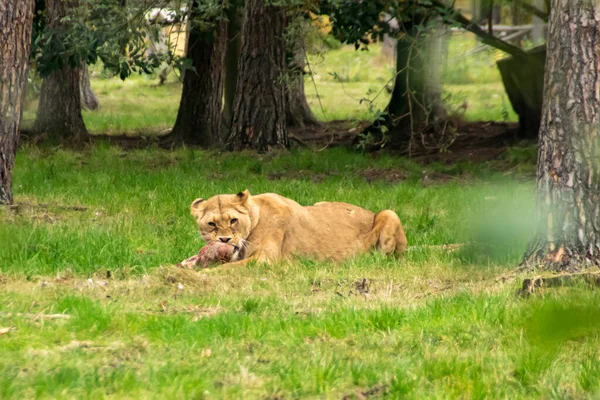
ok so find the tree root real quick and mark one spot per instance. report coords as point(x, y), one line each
point(530, 285)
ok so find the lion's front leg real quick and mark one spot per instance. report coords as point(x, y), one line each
point(268, 251)
point(259, 259)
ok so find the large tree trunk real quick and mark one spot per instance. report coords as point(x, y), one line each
point(16, 18)
point(89, 100)
point(59, 110)
point(199, 117)
point(298, 112)
point(232, 56)
point(259, 113)
point(569, 153)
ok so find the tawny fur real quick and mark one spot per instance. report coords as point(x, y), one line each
point(270, 228)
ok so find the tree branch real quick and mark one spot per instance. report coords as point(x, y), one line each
point(470, 26)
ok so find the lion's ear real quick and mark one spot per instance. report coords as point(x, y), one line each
point(197, 205)
point(243, 196)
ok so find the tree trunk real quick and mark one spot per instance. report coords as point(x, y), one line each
point(568, 167)
point(232, 55)
point(259, 112)
point(415, 104)
point(481, 9)
point(16, 18)
point(199, 117)
point(435, 47)
point(89, 100)
point(405, 110)
point(523, 79)
point(59, 110)
point(298, 112)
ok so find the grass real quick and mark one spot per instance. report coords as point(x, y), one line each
point(96, 232)
point(343, 79)
point(91, 305)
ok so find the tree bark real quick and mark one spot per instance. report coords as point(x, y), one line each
point(16, 18)
point(199, 117)
point(232, 55)
point(59, 110)
point(298, 112)
point(89, 100)
point(568, 168)
point(259, 113)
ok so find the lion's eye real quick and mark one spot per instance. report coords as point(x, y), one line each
point(233, 221)
point(211, 224)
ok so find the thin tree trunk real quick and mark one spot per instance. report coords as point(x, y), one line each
point(569, 152)
point(199, 117)
point(435, 48)
point(89, 100)
point(405, 111)
point(298, 112)
point(232, 56)
point(259, 113)
point(16, 18)
point(59, 110)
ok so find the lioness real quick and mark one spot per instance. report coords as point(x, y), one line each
point(269, 228)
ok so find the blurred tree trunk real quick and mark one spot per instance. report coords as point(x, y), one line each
point(409, 83)
point(298, 112)
point(435, 48)
point(416, 103)
point(568, 165)
point(481, 10)
point(232, 55)
point(89, 100)
point(16, 19)
point(199, 117)
point(259, 113)
point(59, 110)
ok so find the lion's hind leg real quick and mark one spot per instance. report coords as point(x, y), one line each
point(387, 234)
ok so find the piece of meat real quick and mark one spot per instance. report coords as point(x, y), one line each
point(212, 253)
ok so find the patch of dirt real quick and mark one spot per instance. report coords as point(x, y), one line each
point(475, 141)
point(387, 175)
point(330, 134)
point(316, 177)
point(376, 391)
point(42, 212)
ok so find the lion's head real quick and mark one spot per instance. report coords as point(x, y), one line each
point(225, 218)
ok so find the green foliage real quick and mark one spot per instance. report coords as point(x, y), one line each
point(115, 34)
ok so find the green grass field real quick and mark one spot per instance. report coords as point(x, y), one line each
point(341, 79)
point(91, 305)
